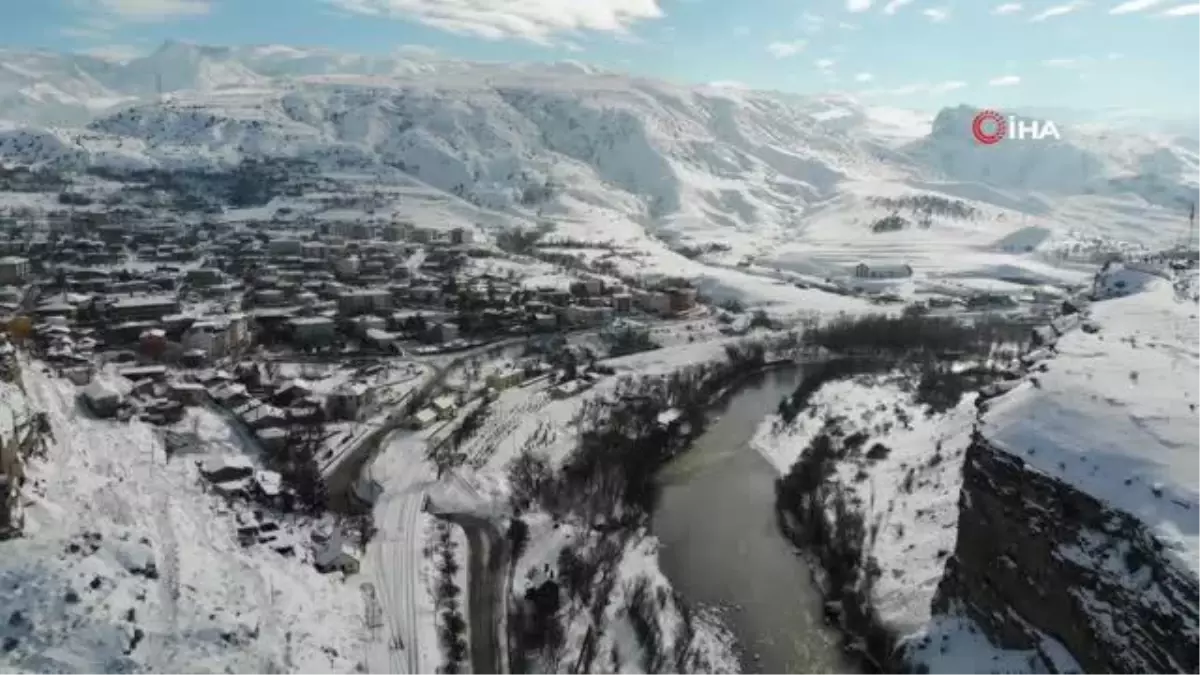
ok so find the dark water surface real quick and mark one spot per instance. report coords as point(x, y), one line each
point(722, 547)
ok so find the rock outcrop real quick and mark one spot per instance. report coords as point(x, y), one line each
point(1037, 556)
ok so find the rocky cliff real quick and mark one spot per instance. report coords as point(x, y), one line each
point(1034, 554)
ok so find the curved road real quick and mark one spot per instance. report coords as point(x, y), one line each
point(394, 557)
point(487, 562)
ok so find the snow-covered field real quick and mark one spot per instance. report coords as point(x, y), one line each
point(792, 185)
point(1114, 413)
point(106, 504)
point(794, 182)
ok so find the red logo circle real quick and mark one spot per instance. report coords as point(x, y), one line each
point(989, 127)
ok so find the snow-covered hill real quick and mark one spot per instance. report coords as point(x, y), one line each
point(603, 155)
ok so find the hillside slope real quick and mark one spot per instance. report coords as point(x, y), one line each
point(572, 143)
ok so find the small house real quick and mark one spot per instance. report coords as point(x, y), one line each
point(263, 416)
point(272, 439)
point(882, 271)
point(506, 378)
point(268, 484)
point(103, 399)
point(423, 418)
point(568, 389)
point(136, 373)
point(444, 331)
point(229, 394)
point(313, 331)
point(445, 406)
point(227, 468)
point(348, 401)
point(336, 555)
point(143, 307)
point(188, 393)
point(14, 269)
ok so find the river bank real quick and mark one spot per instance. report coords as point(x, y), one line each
point(720, 544)
point(588, 594)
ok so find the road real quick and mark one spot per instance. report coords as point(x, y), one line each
point(392, 566)
point(487, 563)
point(394, 556)
point(340, 476)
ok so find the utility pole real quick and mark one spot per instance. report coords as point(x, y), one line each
point(1192, 232)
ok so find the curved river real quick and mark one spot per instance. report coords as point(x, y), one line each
point(721, 545)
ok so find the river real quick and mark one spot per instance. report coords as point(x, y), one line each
point(721, 545)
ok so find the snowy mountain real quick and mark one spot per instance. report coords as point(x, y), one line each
point(753, 170)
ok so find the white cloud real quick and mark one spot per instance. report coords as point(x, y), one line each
point(894, 6)
point(782, 50)
point(936, 15)
point(146, 11)
point(728, 84)
point(1183, 10)
point(1134, 6)
point(1007, 8)
point(416, 52)
point(1059, 10)
point(1061, 63)
point(1004, 81)
point(99, 18)
point(858, 5)
point(811, 23)
point(532, 20)
point(863, 77)
point(91, 30)
point(825, 64)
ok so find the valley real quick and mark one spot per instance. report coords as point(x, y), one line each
point(492, 347)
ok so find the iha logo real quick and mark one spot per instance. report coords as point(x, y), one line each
point(990, 127)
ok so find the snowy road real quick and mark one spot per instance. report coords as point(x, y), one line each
point(487, 560)
point(394, 559)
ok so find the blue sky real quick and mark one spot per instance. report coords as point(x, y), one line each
point(1084, 54)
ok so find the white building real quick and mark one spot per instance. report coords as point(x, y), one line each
point(349, 266)
point(336, 555)
point(313, 331)
point(882, 271)
point(284, 247)
point(13, 269)
point(423, 418)
point(365, 301)
point(218, 337)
